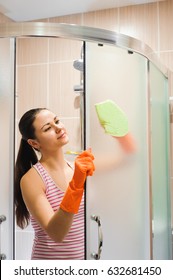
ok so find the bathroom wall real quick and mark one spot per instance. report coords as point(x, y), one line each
point(45, 76)
point(4, 19)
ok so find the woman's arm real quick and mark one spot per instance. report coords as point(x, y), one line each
point(57, 224)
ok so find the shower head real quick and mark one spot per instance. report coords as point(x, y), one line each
point(78, 64)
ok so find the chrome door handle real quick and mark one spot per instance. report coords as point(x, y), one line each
point(2, 257)
point(97, 255)
point(2, 219)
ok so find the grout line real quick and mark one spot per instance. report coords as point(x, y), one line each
point(44, 63)
point(33, 64)
point(165, 51)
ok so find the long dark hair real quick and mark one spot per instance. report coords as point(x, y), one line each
point(25, 159)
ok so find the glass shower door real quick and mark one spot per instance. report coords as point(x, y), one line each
point(6, 147)
point(117, 198)
point(160, 176)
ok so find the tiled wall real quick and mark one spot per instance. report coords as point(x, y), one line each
point(45, 78)
point(44, 66)
point(4, 19)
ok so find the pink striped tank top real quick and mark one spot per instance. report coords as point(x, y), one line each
point(72, 247)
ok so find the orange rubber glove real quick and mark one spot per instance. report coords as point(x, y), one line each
point(127, 142)
point(84, 167)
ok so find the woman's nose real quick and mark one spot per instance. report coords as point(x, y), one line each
point(58, 127)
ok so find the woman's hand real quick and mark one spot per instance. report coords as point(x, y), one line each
point(127, 143)
point(84, 167)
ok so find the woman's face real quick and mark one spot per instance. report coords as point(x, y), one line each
point(49, 131)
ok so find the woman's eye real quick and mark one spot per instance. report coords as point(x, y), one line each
point(57, 121)
point(47, 129)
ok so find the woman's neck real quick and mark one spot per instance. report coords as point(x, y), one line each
point(55, 160)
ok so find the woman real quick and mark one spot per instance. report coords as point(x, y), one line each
point(49, 192)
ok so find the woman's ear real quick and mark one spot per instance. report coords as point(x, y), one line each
point(33, 143)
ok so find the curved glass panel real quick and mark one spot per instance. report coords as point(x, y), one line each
point(160, 177)
point(119, 194)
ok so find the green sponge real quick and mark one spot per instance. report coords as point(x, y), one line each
point(112, 118)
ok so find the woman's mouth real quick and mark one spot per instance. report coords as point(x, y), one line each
point(62, 135)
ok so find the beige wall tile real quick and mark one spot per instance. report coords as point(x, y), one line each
point(31, 88)
point(166, 24)
point(73, 19)
point(106, 19)
point(41, 20)
point(55, 88)
point(4, 19)
point(141, 22)
point(62, 78)
point(167, 59)
point(71, 77)
point(68, 95)
point(64, 49)
point(32, 51)
point(89, 19)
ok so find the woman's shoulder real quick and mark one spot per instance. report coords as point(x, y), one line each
point(31, 187)
point(31, 177)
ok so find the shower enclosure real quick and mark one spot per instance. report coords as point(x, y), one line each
point(128, 205)
point(131, 200)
